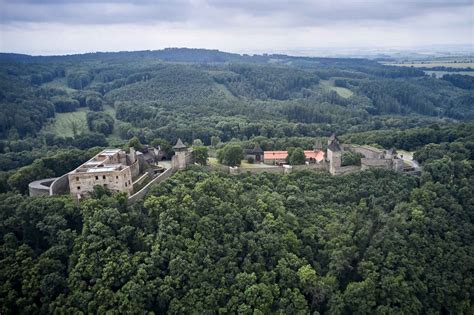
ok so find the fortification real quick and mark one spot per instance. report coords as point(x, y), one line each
point(371, 157)
point(334, 155)
point(183, 156)
point(111, 169)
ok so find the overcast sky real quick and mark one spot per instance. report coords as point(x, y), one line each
point(72, 26)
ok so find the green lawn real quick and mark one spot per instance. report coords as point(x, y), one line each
point(329, 85)
point(244, 164)
point(64, 123)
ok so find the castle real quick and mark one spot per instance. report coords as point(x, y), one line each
point(372, 157)
point(133, 173)
point(112, 169)
point(117, 171)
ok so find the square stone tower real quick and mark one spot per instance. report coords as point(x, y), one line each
point(179, 160)
point(334, 155)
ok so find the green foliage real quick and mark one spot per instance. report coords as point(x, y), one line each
point(23, 176)
point(207, 242)
point(296, 156)
point(64, 104)
point(100, 122)
point(164, 145)
point(351, 158)
point(135, 143)
point(200, 154)
point(78, 80)
point(231, 154)
point(375, 242)
point(94, 103)
point(462, 81)
point(413, 138)
point(235, 97)
point(90, 140)
point(215, 141)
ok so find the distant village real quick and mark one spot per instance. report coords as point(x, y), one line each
point(134, 172)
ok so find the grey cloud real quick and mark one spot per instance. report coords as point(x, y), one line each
point(219, 12)
point(94, 12)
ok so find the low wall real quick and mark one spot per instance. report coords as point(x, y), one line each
point(377, 163)
point(40, 187)
point(260, 170)
point(59, 186)
point(218, 167)
point(311, 167)
point(273, 170)
point(368, 152)
point(142, 192)
point(346, 169)
point(140, 180)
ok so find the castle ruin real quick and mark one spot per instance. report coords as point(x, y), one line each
point(372, 157)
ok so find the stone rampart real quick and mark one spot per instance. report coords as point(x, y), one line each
point(40, 187)
point(142, 192)
point(368, 152)
point(375, 163)
point(59, 186)
point(346, 169)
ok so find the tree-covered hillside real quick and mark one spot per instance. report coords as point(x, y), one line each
point(178, 91)
point(371, 242)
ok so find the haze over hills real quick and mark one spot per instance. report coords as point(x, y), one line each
point(417, 53)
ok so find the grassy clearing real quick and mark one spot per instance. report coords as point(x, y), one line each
point(58, 83)
point(329, 85)
point(64, 124)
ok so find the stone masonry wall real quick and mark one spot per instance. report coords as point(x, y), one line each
point(142, 192)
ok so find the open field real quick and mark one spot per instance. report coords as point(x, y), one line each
point(432, 64)
point(329, 85)
point(64, 124)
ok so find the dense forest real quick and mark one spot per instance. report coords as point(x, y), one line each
point(205, 242)
point(370, 242)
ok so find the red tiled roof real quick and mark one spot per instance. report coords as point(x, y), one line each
point(318, 155)
point(275, 155)
point(281, 155)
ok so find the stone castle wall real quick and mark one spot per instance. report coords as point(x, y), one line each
point(375, 163)
point(59, 186)
point(142, 192)
point(135, 168)
point(368, 152)
point(346, 169)
point(40, 187)
point(82, 183)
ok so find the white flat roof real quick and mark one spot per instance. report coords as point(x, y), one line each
point(99, 163)
point(101, 169)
